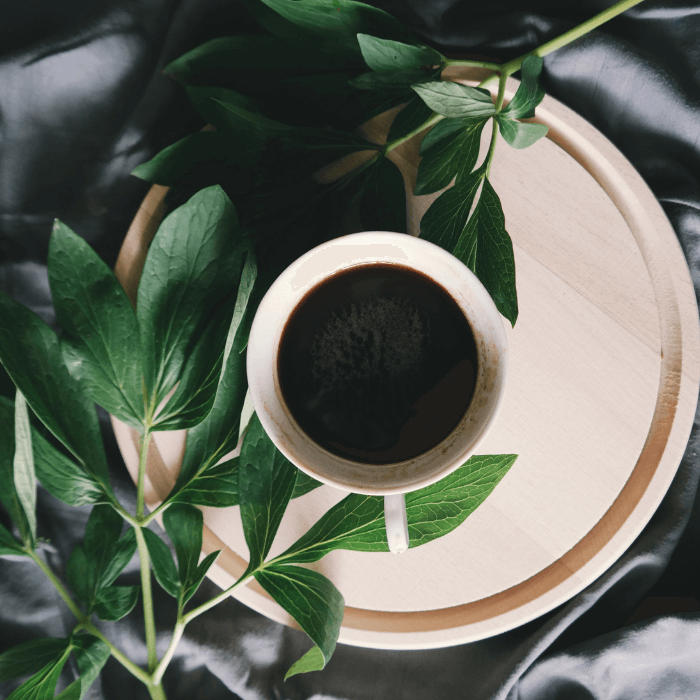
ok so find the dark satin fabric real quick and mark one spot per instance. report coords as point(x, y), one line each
point(82, 102)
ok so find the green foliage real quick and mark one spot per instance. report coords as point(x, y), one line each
point(266, 481)
point(30, 657)
point(386, 55)
point(456, 101)
point(383, 205)
point(183, 523)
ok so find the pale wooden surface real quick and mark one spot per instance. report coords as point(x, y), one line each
point(602, 390)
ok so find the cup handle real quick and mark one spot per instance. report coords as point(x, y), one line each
point(396, 523)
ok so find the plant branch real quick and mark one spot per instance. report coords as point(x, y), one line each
point(459, 63)
point(195, 612)
point(81, 617)
point(174, 641)
point(142, 474)
point(566, 38)
point(147, 596)
point(494, 133)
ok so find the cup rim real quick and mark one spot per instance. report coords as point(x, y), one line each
point(289, 289)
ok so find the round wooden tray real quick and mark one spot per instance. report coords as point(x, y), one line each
point(603, 386)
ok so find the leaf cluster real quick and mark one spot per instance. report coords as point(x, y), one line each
point(288, 103)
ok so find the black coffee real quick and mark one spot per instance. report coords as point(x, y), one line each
point(377, 363)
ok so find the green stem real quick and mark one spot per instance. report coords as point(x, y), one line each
point(85, 623)
point(142, 475)
point(148, 617)
point(566, 38)
point(151, 516)
point(80, 616)
point(391, 145)
point(494, 133)
point(157, 692)
point(195, 612)
point(174, 641)
point(118, 655)
point(459, 63)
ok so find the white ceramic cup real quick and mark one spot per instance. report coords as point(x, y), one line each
point(388, 480)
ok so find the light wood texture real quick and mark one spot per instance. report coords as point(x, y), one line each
point(602, 390)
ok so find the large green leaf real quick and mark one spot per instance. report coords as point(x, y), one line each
point(357, 522)
point(163, 565)
point(383, 206)
point(191, 265)
point(23, 463)
point(101, 337)
point(96, 562)
point(31, 354)
point(335, 25)
point(58, 474)
point(42, 685)
point(445, 220)
point(520, 135)
point(314, 602)
point(529, 93)
point(215, 485)
point(387, 55)
point(91, 654)
point(116, 602)
point(184, 523)
point(447, 156)
point(30, 657)
point(236, 149)
point(414, 113)
point(391, 79)
point(266, 481)
point(217, 434)
point(260, 56)
point(485, 247)
point(456, 101)
point(8, 490)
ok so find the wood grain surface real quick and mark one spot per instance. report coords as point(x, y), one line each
point(602, 390)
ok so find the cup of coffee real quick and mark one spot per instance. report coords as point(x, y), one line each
point(377, 364)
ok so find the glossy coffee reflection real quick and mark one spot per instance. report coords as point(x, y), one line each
point(377, 363)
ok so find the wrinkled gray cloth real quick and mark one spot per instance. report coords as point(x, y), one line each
point(83, 101)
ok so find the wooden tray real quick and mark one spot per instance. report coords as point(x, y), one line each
point(603, 386)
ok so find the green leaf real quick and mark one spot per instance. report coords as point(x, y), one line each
point(215, 485)
point(101, 337)
point(357, 522)
point(304, 484)
point(236, 149)
point(387, 55)
point(121, 554)
point(335, 25)
point(253, 117)
point(520, 135)
point(31, 354)
point(102, 556)
point(260, 55)
point(314, 602)
point(116, 602)
point(529, 93)
point(62, 477)
point(184, 523)
point(454, 100)
point(414, 113)
point(217, 434)
point(72, 692)
point(391, 79)
point(30, 657)
point(453, 154)
point(42, 685)
point(199, 575)
point(486, 249)
point(91, 654)
point(9, 545)
point(163, 565)
point(446, 219)
point(383, 206)
point(24, 476)
point(193, 259)
point(436, 510)
point(8, 491)
point(265, 484)
point(311, 661)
